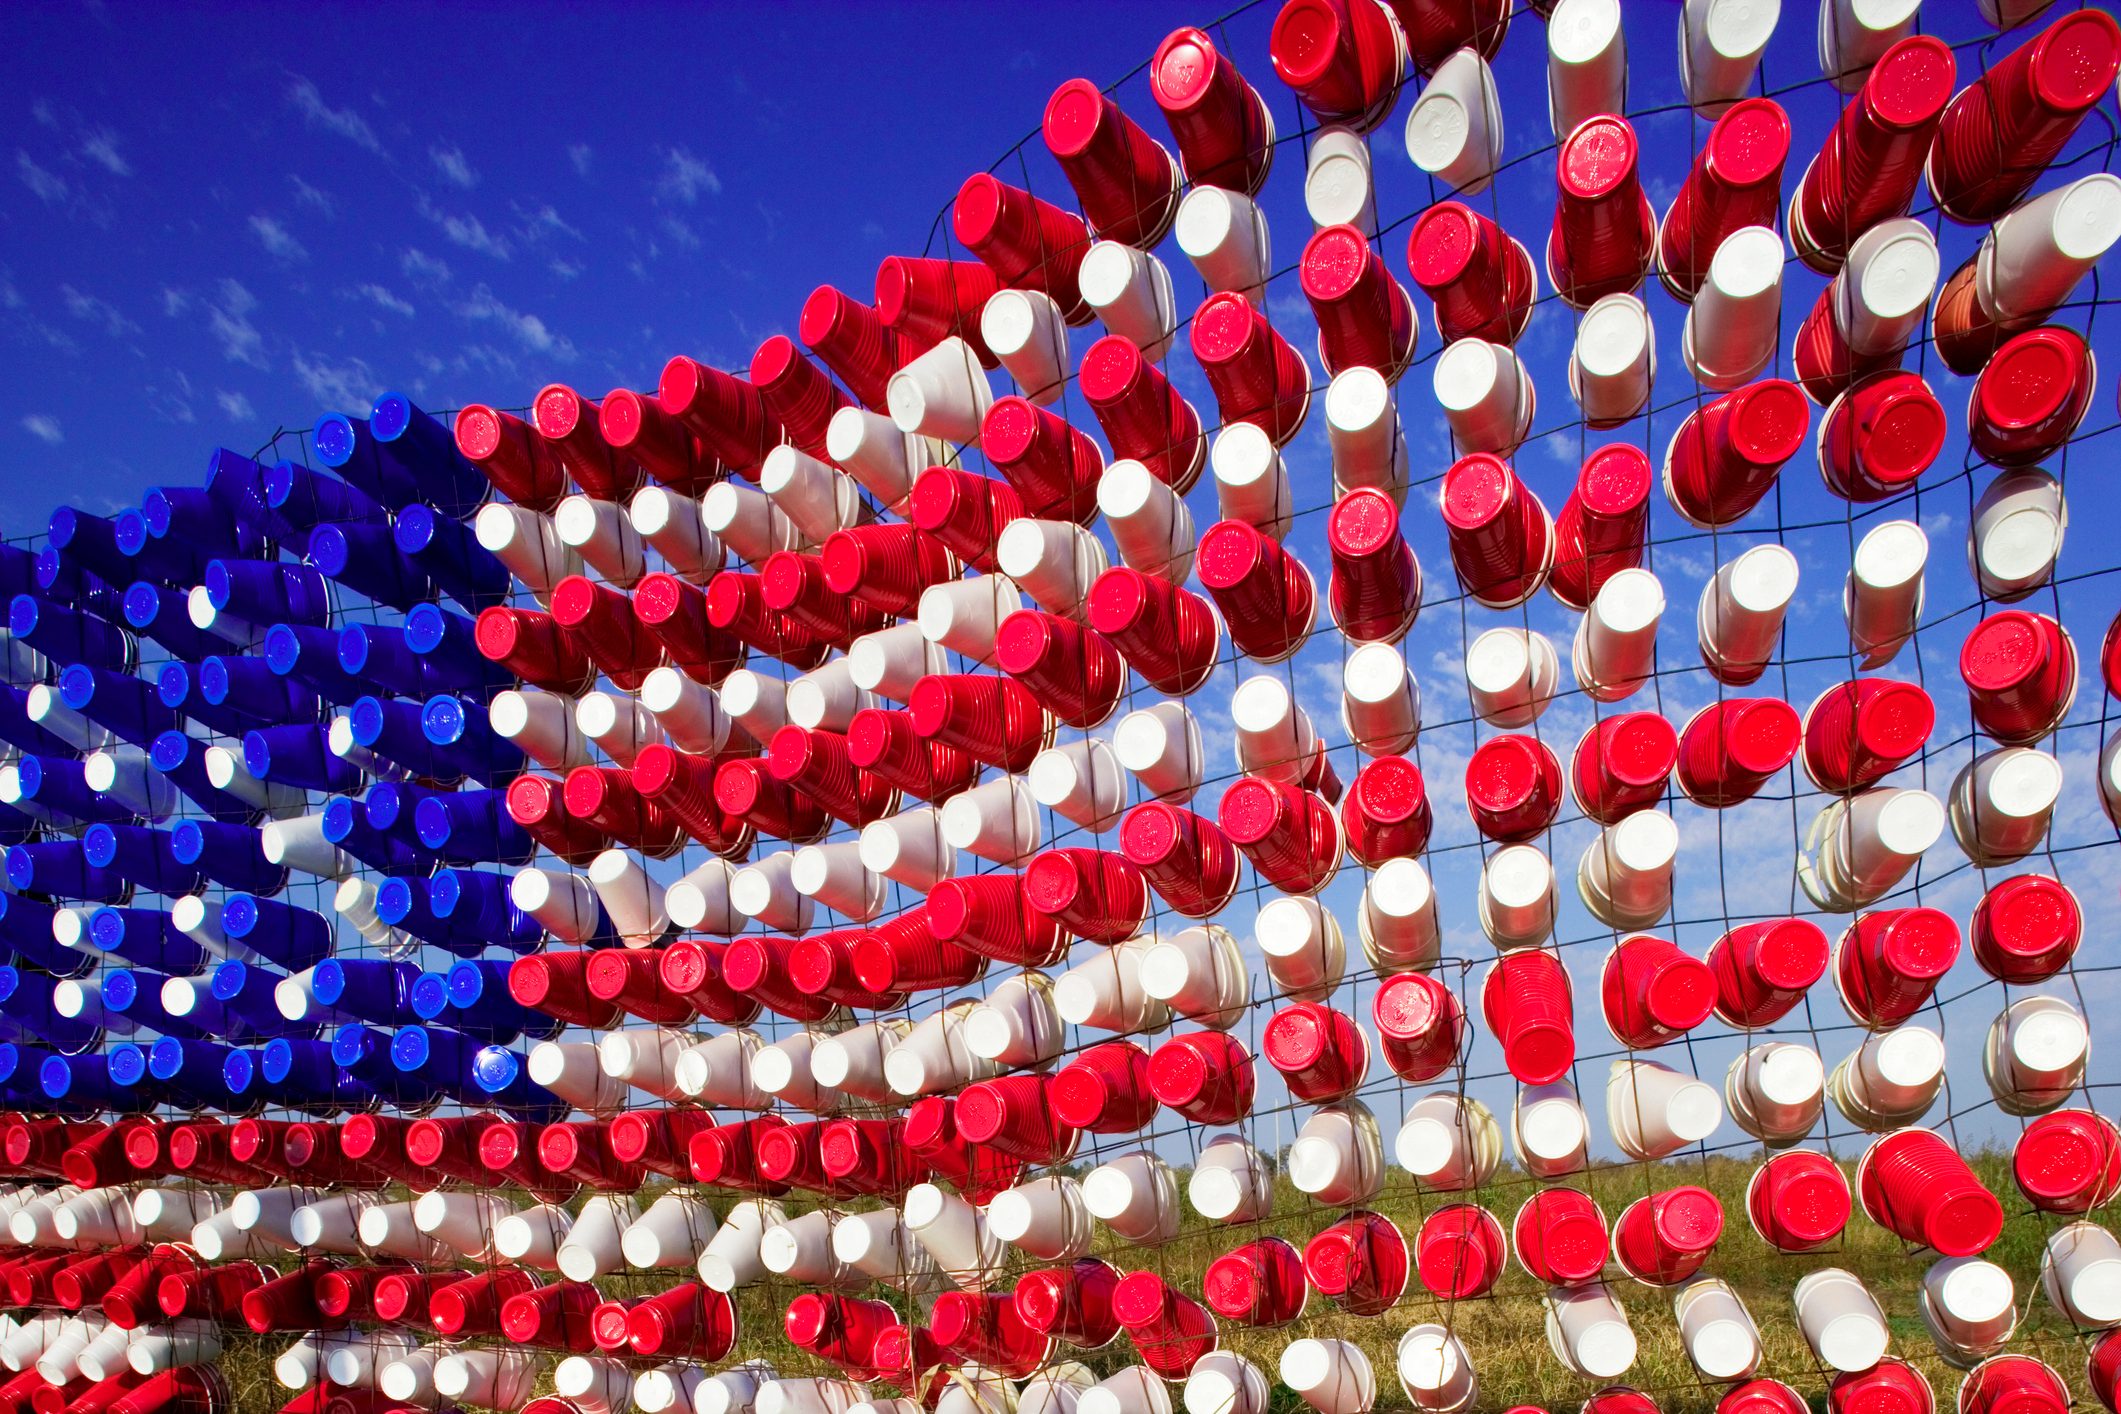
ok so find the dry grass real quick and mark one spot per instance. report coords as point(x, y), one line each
point(1505, 1332)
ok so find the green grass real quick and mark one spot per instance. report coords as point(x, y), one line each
point(1504, 1332)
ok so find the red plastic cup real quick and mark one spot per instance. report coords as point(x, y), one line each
point(1437, 29)
point(107, 1157)
point(2020, 672)
point(761, 968)
point(2031, 397)
point(632, 980)
point(1256, 374)
point(816, 763)
point(1560, 1237)
point(905, 955)
point(1206, 1076)
point(1857, 733)
point(1259, 1284)
point(1074, 671)
point(1621, 765)
point(1359, 1263)
point(604, 798)
point(86, 1279)
point(991, 718)
point(1915, 1186)
point(1481, 280)
point(1321, 1053)
point(1375, 590)
point(1665, 1238)
point(882, 741)
point(841, 1329)
point(693, 968)
point(990, 915)
point(1513, 787)
point(725, 412)
point(580, 1152)
point(1880, 436)
point(853, 341)
point(1763, 969)
point(796, 392)
point(931, 1132)
point(1093, 893)
point(532, 645)
point(1105, 1090)
point(600, 620)
point(574, 434)
point(926, 301)
point(2103, 1369)
point(1265, 594)
point(1365, 317)
point(1166, 632)
point(2026, 929)
point(1890, 962)
point(1053, 466)
point(1385, 814)
point(1345, 59)
point(473, 1306)
point(1726, 456)
point(1889, 1387)
point(1224, 130)
point(683, 788)
point(2002, 130)
point(1731, 749)
point(1188, 860)
point(794, 585)
point(2068, 1161)
point(1014, 1113)
point(286, 1303)
point(1603, 526)
point(1604, 230)
point(657, 1139)
point(1459, 1252)
point(726, 1156)
point(1029, 244)
point(210, 1293)
point(736, 604)
point(635, 426)
point(869, 1156)
point(1170, 1329)
point(1290, 834)
point(1502, 542)
point(2014, 1384)
point(1143, 414)
point(1125, 181)
point(402, 1297)
point(886, 567)
point(1071, 1303)
point(1735, 182)
point(1654, 993)
point(539, 805)
point(187, 1389)
point(1420, 1025)
point(1870, 166)
point(675, 614)
point(551, 1317)
point(686, 1321)
point(1526, 1002)
point(512, 456)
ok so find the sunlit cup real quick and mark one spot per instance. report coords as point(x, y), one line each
point(1517, 899)
point(1588, 1331)
point(1454, 129)
point(1550, 1130)
point(1840, 1319)
point(1339, 189)
point(1716, 1330)
point(1259, 1283)
point(1724, 458)
point(1738, 622)
point(1603, 526)
point(1889, 963)
point(2031, 397)
point(1027, 332)
point(1854, 35)
point(1526, 1002)
point(1604, 237)
point(1616, 642)
point(1224, 234)
point(1614, 361)
point(1449, 1142)
point(2017, 1384)
point(1131, 291)
point(1362, 428)
point(1730, 749)
point(1231, 1181)
point(2103, 1369)
point(996, 820)
point(2025, 270)
point(731, 1258)
point(1344, 59)
point(1332, 1376)
point(1798, 1201)
point(936, 1055)
point(1624, 876)
point(2001, 803)
point(2110, 778)
point(1136, 1195)
point(1662, 1239)
point(1220, 1383)
point(1380, 700)
point(1655, 1111)
point(1864, 321)
point(1397, 918)
point(1199, 973)
point(2035, 1054)
point(1880, 435)
point(1305, 952)
point(1501, 537)
point(1560, 1237)
point(1732, 329)
point(1883, 596)
point(2020, 671)
point(1081, 782)
point(1720, 44)
point(1891, 1383)
point(1274, 735)
point(1421, 1025)
point(1652, 992)
point(1869, 167)
point(1104, 991)
point(1858, 849)
point(1587, 63)
point(1160, 747)
point(1917, 1187)
point(943, 393)
point(1970, 1308)
point(1435, 1370)
point(1017, 1024)
point(2016, 533)
point(1149, 523)
point(1045, 1218)
point(2068, 1161)
point(1512, 674)
point(806, 1395)
point(1170, 1329)
point(1776, 1092)
point(1891, 1080)
point(1460, 1252)
point(1482, 281)
point(1487, 396)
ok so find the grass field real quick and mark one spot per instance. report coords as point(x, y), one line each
point(1505, 1332)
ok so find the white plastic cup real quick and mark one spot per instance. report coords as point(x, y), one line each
point(943, 393)
point(1081, 782)
point(1517, 901)
point(572, 1070)
point(755, 702)
point(619, 725)
point(1854, 35)
point(1739, 619)
point(1616, 641)
point(1717, 1331)
point(1970, 1306)
point(1224, 234)
point(870, 447)
point(890, 661)
point(1160, 747)
point(2035, 254)
point(1199, 973)
point(827, 696)
point(935, 1056)
point(532, 1236)
point(1016, 1026)
point(1511, 675)
point(782, 1070)
point(1883, 597)
point(1454, 129)
point(1890, 1080)
point(601, 534)
point(1720, 44)
point(878, 1244)
point(564, 904)
point(592, 1246)
point(765, 890)
point(671, 1233)
point(1551, 1132)
point(1449, 1142)
point(1148, 520)
point(1435, 1370)
point(632, 900)
point(543, 724)
point(732, 1258)
point(1305, 952)
point(800, 1249)
point(1380, 700)
point(1397, 920)
point(2035, 1054)
point(1732, 328)
point(997, 820)
point(2001, 803)
point(1840, 1319)
point(746, 520)
point(1026, 331)
point(957, 1236)
point(1131, 292)
point(1044, 1217)
point(1104, 992)
point(964, 614)
point(816, 497)
point(1053, 561)
point(1881, 295)
point(2016, 533)
point(1136, 1195)
point(908, 848)
point(462, 1222)
point(526, 542)
point(1655, 1111)
point(1220, 1382)
point(1486, 395)
point(1614, 361)
point(1275, 737)
point(2080, 1271)
point(1251, 483)
point(1231, 1182)
point(644, 1057)
point(674, 525)
point(1134, 1390)
point(1588, 1329)
point(1776, 1092)
point(1338, 1157)
point(1587, 63)
point(1338, 188)
point(1625, 876)
point(1332, 1376)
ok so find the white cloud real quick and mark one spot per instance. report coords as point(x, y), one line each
point(686, 176)
point(467, 231)
point(279, 242)
point(92, 310)
point(422, 268)
point(44, 427)
point(564, 269)
point(234, 406)
point(529, 330)
point(347, 384)
point(228, 316)
point(309, 102)
point(451, 163)
point(680, 231)
point(174, 302)
point(48, 186)
point(101, 147)
point(579, 153)
point(315, 198)
point(382, 298)
point(41, 110)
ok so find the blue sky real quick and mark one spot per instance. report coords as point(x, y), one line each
point(216, 223)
